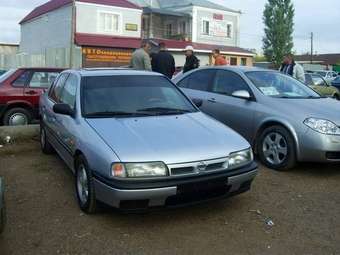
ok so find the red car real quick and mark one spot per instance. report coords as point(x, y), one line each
point(20, 90)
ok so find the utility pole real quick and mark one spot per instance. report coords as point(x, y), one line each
point(311, 47)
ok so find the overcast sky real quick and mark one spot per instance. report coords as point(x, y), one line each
point(320, 17)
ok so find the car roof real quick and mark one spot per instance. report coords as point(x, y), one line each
point(87, 72)
point(239, 69)
point(42, 68)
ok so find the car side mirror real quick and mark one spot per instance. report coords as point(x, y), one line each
point(198, 102)
point(63, 109)
point(243, 94)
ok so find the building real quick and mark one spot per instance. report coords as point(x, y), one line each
point(200, 23)
point(88, 33)
point(320, 61)
point(8, 48)
point(95, 33)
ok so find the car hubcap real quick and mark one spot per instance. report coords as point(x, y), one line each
point(82, 185)
point(18, 119)
point(275, 148)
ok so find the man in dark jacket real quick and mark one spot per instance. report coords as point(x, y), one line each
point(191, 61)
point(163, 62)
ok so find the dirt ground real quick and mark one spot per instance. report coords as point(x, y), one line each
point(43, 217)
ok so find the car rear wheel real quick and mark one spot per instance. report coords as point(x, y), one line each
point(17, 117)
point(85, 187)
point(276, 148)
point(45, 145)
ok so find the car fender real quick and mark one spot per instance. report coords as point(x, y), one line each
point(279, 121)
point(19, 102)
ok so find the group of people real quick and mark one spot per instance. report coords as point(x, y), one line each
point(163, 62)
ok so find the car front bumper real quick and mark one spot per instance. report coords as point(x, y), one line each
point(174, 192)
point(317, 147)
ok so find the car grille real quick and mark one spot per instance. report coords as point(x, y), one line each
point(205, 166)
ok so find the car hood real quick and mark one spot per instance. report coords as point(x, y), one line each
point(324, 108)
point(171, 139)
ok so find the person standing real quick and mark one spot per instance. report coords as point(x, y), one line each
point(140, 59)
point(219, 59)
point(191, 61)
point(163, 62)
point(290, 67)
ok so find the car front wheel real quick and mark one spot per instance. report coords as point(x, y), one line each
point(276, 148)
point(85, 187)
point(45, 145)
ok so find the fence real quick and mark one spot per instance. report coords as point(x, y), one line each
point(56, 57)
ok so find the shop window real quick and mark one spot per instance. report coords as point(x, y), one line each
point(233, 61)
point(169, 29)
point(109, 22)
point(205, 27)
point(243, 61)
point(229, 30)
point(183, 27)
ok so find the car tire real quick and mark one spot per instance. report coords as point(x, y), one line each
point(2, 206)
point(17, 116)
point(84, 186)
point(45, 145)
point(276, 148)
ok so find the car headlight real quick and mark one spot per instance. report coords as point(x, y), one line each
point(139, 170)
point(240, 158)
point(322, 126)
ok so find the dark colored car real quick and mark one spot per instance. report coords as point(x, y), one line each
point(2, 206)
point(20, 90)
point(336, 83)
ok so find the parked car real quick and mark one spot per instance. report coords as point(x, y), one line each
point(329, 76)
point(316, 82)
point(2, 206)
point(282, 118)
point(20, 90)
point(336, 83)
point(134, 141)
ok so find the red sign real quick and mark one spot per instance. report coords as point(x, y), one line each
point(218, 16)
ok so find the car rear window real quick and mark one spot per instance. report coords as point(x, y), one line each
point(6, 75)
point(131, 94)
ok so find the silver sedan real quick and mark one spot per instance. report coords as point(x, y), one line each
point(285, 120)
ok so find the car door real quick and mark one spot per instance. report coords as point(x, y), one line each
point(39, 82)
point(236, 113)
point(197, 85)
point(15, 91)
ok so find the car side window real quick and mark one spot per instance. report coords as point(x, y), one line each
point(68, 93)
point(309, 80)
point(200, 80)
point(318, 81)
point(228, 82)
point(57, 88)
point(42, 79)
point(21, 80)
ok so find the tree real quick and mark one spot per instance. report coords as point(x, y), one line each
point(278, 18)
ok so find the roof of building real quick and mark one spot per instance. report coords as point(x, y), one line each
point(202, 47)
point(107, 41)
point(56, 4)
point(326, 59)
point(148, 10)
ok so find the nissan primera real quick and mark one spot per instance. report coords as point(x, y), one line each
point(134, 141)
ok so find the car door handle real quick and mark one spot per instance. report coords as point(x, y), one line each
point(31, 92)
point(212, 100)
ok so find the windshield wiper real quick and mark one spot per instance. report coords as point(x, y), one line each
point(108, 114)
point(164, 110)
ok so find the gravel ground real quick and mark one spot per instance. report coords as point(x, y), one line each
point(43, 217)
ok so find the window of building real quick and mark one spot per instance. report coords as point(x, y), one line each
point(233, 61)
point(205, 27)
point(169, 29)
point(183, 27)
point(243, 61)
point(229, 30)
point(109, 22)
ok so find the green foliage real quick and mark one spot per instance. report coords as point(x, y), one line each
point(278, 18)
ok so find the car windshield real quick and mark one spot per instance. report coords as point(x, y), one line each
point(4, 76)
point(275, 84)
point(323, 74)
point(142, 95)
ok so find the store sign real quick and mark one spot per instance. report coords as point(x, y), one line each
point(105, 57)
point(131, 27)
point(218, 28)
point(218, 16)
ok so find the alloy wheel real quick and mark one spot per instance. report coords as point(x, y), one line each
point(82, 184)
point(275, 148)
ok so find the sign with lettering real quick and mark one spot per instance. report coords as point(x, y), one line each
point(218, 16)
point(131, 27)
point(105, 57)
